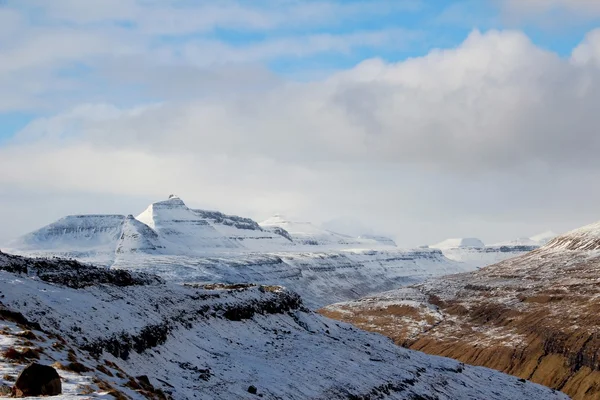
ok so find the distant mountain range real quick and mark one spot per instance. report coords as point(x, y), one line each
point(189, 245)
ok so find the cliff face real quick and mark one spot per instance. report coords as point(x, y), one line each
point(134, 334)
point(321, 278)
point(534, 316)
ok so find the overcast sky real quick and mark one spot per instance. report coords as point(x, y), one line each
point(417, 119)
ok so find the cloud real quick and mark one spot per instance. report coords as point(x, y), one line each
point(185, 17)
point(211, 52)
point(589, 8)
point(588, 52)
point(496, 102)
point(457, 142)
point(72, 52)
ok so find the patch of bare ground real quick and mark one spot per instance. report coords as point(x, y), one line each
point(536, 317)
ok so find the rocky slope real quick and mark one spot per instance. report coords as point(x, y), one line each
point(131, 335)
point(534, 316)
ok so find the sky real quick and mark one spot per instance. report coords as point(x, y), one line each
point(420, 120)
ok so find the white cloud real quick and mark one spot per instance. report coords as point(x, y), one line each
point(210, 52)
point(495, 130)
point(495, 102)
point(587, 8)
point(588, 52)
point(183, 17)
point(63, 49)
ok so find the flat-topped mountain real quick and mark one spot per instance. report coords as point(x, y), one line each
point(166, 227)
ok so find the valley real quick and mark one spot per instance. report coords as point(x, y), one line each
point(132, 335)
point(534, 316)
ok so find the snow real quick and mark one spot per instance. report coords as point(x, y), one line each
point(473, 253)
point(459, 243)
point(586, 238)
point(320, 277)
point(181, 228)
point(205, 351)
point(186, 245)
point(73, 384)
point(308, 234)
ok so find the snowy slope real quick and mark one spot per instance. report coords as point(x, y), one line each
point(182, 229)
point(320, 277)
point(137, 237)
point(308, 234)
point(78, 236)
point(214, 342)
point(584, 238)
point(246, 232)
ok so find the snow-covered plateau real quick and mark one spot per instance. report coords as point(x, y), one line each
point(122, 334)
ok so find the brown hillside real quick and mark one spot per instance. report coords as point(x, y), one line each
point(536, 316)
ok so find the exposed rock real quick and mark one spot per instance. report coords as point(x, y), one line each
point(72, 273)
point(38, 380)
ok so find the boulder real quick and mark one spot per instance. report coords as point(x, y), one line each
point(37, 380)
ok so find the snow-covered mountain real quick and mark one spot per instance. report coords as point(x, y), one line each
point(308, 234)
point(132, 334)
point(476, 254)
point(187, 245)
point(166, 227)
point(459, 243)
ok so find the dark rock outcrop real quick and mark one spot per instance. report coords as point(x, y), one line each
point(72, 273)
point(37, 380)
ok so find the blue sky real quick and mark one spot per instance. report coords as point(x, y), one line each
point(422, 119)
point(406, 29)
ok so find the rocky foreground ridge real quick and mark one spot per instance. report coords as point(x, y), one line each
point(535, 316)
point(132, 335)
